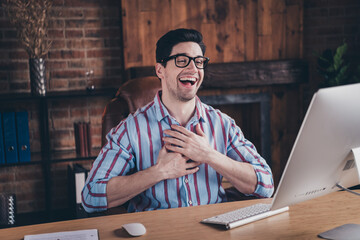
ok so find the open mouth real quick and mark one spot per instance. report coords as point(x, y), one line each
point(187, 81)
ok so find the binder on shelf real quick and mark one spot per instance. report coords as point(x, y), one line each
point(85, 142)
point(77, 138)
point(82, 132)
point(23, 139)
point(2, 147)
point(88, 137)
point(10, 143)
point(77, 177)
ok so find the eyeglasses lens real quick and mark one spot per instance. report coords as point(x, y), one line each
point(183, 61)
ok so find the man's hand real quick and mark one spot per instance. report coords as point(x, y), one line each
point(194, 146)
point(174, 165)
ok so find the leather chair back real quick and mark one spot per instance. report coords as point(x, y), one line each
point(132, 95)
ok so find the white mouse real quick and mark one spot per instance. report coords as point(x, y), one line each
point(135, 229)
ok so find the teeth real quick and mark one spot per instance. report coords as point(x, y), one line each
point(188, 79)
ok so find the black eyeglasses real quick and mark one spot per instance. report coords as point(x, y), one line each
point(182, 61)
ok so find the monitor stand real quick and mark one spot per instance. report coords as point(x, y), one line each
point(356, 156)
point(346, 231)
point(349, 171)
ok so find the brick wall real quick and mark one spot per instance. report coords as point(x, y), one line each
point(86, 36)
point(327, 23)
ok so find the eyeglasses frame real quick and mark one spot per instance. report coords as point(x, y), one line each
point(165, 60)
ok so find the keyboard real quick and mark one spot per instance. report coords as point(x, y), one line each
point(244, 215)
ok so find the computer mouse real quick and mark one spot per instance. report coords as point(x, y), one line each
point(134, 229)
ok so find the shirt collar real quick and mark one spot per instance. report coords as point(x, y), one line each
point(162, 112)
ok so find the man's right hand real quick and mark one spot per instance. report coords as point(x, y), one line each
point(174, 165)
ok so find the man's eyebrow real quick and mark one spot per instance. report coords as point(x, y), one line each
point(187, 55)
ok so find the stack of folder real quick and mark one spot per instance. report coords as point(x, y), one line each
point(77, 175)
point(14, 138)
point(82, 134)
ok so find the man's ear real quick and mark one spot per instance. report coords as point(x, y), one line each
point(159, 69)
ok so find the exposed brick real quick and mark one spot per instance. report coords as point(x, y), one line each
point(77, 84)
point(57, 44)
point(10, 34)
point(96, 141)
point(66, 54)
point(56, 23)
point(96, 63)
point(78, 113)
point(62, 143)
point(82, 23)
point(337, 3)
point(334, 12)
point(75, 43)
point(59, 84)
point(86, 3)
point(74, 33)
point(20, 75)
point(91, 13)
point(29, 196)
point(56, 33)
point(58, 3)
point(316, 12)
point(29, 175)
point(18, 54)
point(60, 113)
point(111, 13)
point(6, 177)
point(103, 33)
point(67, 74)
point(71, 13)
point(22, 86)
point(112, 43)
point(103, 53)
point(55, 64)
point(112, 22)
point(353, 11)
point(11, 44)
point(315, 3)
point(93, 43)
point(61, 124)
point(78, 64)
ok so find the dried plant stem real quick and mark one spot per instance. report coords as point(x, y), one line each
point(31, 19)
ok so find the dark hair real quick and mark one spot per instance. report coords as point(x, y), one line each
point(166, 43)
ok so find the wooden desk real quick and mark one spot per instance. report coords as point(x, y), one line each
point(303, 221)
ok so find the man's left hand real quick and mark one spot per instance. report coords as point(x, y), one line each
point(195, 146)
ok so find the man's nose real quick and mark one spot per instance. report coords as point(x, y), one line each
point(192, 65)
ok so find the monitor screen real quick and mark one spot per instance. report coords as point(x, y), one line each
point(322, 155)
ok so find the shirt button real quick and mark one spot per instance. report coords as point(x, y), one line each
point(186, 180)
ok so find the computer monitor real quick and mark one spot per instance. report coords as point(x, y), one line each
point(326, 150)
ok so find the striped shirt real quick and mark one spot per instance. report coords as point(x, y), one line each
point(135, 143)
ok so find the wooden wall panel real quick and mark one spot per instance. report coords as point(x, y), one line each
point(234, 30)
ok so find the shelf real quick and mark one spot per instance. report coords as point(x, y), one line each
point(56, 157)
point(69, 156)
point(59, 94)
point(46, 157)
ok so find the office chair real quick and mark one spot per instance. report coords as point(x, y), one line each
point(132, 95)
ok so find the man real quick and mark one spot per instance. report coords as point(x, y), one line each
point(174, 151)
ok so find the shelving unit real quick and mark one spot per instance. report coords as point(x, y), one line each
point(46, 156)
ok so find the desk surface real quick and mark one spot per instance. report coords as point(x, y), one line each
point(303, 221)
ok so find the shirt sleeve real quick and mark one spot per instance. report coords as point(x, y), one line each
point(114, 159)
point(241, 149)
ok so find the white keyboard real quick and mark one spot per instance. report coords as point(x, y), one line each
point(244, 215)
